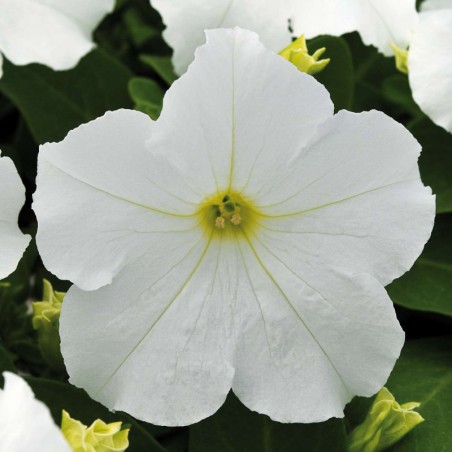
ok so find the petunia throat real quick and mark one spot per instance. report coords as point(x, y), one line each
point(226, 212)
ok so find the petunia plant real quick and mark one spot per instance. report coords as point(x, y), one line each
point(241, 241)
point(237, 239)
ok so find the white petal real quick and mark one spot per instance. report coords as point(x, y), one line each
point(12, 198)
point(311, 337)
point(157, 342)
point(353, 197)
point(378, 22)
point(430, 5)
point(1, 65)
point(430, 66)
point(25, 423)
point(186, 21)
point(237, 107)
point(112, 196)
point(56, 33)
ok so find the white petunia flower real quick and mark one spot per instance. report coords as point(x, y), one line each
point(56, 33)
point(430, 62)
point(25, 423)
point(12, 198)
point(379, 23)
point(186, 21)
point(241, 241)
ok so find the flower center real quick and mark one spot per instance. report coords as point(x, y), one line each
point(226, 213)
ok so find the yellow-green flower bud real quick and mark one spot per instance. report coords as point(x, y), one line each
point(46, 319)
point(386, 423)
point(297, 53)
point(401, 58)
point(98, 437)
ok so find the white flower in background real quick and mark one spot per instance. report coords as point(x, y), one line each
point(12, 198)
point(186, 21)
point(56, 33)
point(430, 62)
point(379, 22)
point(241, 241)
point(25, 423)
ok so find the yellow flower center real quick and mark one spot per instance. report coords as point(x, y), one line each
point(227, 213)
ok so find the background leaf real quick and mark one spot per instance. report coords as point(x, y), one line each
point(53, 103)
point(147, 95)
point(428, 285)
point(234, 428)
point(162, 65)
point(58, 396)
point(338, 76)
point(422, 374)
point(436, 161)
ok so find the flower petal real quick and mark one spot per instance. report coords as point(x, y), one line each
point(26, 423)
point(430, 65)
point(12, 198)
point(186, 21)
point(56, 33)
point(378, 22)
point(237, 107)
point(113, 202)
point(311, 338)
point(361, 204)
point(157, 342)
point(430, 5)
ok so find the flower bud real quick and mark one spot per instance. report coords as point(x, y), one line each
point(46, 320)
point(297, 53)
point(98, 437)
point(386, 423)
point(401, 58)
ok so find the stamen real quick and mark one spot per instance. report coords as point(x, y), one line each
point(236, 219)
point(219, 222)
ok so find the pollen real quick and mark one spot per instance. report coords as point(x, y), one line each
point(219, 222)
point(227, 213)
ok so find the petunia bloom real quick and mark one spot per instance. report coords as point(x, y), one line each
point(379, 23)
point(240, 241)
point(430, 62)
point(56, 33)
point(26, 423)
point(12, 198)
point(186, 21)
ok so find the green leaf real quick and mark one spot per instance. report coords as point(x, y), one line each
point(338, 76)
point(235, 428)
point(422, 374)
point(428, 285)
point(139, 30)
point(396, 89)
point(6, 360)
point(53, 103)
point(147, 95)
point(58, 396)
point(162, 66)
point(436, 161)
